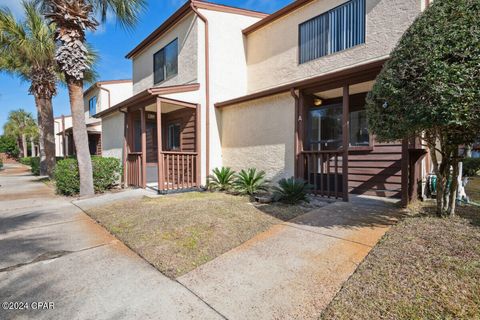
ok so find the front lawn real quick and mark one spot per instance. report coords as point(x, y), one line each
point(424, 268)
point(177, 233)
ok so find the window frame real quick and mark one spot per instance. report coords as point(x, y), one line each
point(169, 145)
point(299, 53)
point(93, 98)
point(164, 68)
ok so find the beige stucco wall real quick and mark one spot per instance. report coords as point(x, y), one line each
point(272, 51)
point(112, 135)
point(260, 134)
point(228, 68)
point(186, 32)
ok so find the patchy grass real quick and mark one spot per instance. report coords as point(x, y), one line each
point(424, 268)
point(177, 233)
point(473, 189)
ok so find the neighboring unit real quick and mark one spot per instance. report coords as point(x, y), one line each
point(98, 98)
point(285, 93)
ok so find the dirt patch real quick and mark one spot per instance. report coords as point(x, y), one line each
point(424, 268)
point(177, 233)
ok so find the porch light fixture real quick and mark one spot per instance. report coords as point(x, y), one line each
point(317, 102)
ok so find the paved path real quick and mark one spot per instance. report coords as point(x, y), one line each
point(51, 251)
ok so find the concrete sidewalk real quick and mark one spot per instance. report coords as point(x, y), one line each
point(51, 251)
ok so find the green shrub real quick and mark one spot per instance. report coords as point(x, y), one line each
point(221, 179)
point(25, 160)
point(471, 166)
point(1, 163)
point(67, 180)
point(106, 174)
point(291, 190)
point(250, 181)
point(9, 146)
point(35, 165)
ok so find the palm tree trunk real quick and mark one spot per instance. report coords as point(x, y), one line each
point(41, 151)
point(32, 147)
point(47, 128)
point(80, 137)
point(24, 145)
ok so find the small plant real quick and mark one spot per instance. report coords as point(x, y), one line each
point(291, 190)
point(221, 179)
point(250, 181)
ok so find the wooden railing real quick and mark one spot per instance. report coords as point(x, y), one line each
point(179, 171)
point(134, 169)
point(322, 170)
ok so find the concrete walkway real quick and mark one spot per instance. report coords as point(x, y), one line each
point(293, 270)
point(51, 251)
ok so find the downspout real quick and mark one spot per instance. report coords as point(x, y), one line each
point(207, 87)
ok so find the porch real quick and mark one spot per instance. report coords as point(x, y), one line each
point(335, 150)
point(162, 144)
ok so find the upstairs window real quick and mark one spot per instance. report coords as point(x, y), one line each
point(165, 62)
point(92, 106)
point(338, 29)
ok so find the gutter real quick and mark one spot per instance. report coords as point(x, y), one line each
point(207, 86)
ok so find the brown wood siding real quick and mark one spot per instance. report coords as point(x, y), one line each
point(376, 172)
point(186, 119)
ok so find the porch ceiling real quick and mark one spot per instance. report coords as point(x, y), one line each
point(338, 92)
point(149, 96)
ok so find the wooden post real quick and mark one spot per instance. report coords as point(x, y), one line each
point(301, 117)
point(405, 176)
point(64, 142)
point(161, 182)
point(125, 149)
point(198, 136)
point(346, 138)
point(144, 148)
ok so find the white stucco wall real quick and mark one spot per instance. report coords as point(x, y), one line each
point(58, 127)
point(272, 51)
point(260, 134)
point(112, 135)
point(186, 31)
point(118, 93)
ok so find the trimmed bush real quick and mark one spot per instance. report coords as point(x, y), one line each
point(35, 165)
point(8, 145)
point(25, 160)
point(106, 174)
point(471, 166)
point(291, 190)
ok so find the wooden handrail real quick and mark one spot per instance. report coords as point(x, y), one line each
point(322, 151)
point(180, 153)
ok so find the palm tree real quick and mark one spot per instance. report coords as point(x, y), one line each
point(27, 49)
point(20, 125)
point(72, 19)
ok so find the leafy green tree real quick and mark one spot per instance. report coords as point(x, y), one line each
point(72, 18)
point(20, 125)
point(430, 89)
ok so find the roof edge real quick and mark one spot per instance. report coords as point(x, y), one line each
point(276, 15)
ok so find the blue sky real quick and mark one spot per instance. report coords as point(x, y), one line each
point(112, 43)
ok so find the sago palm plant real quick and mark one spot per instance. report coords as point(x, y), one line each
point(221, 179)
point(291, 190)
point(72, 18)
point(250, 181)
